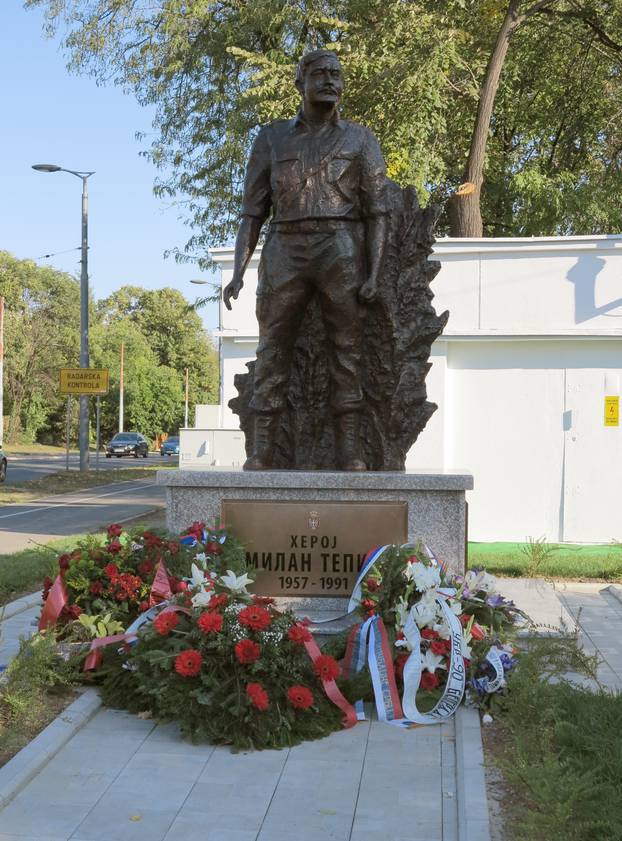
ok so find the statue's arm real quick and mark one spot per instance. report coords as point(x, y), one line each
point(255, 210)
point(375, 240)
point(374, 207)
point(245, 243)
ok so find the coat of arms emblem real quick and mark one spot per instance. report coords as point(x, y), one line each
point(314, 520)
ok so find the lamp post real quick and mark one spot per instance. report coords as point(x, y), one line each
point(84, 306)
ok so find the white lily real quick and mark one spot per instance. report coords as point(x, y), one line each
point(198, 576)
point(424, 612)
point(235, 583)
point(431, 662)
point(202, 598)
point(201, 558)
point(466, 648)
point(442, 629)
point(455, 607)
point(480, 581)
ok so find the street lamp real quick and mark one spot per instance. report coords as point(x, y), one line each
point(84, 307)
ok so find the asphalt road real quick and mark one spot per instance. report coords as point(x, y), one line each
point(24, 467)
point(77, 512)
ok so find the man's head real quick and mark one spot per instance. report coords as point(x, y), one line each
point(319, 78)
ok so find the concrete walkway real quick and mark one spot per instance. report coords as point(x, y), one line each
point(124, 778)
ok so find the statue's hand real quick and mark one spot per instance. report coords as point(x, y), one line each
point(368, 291)
point(232, 290)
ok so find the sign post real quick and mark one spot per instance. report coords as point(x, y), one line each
point(97, 442)
point(83, 382)
point(67, 431)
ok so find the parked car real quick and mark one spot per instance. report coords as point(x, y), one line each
point(127, 444)
point(3, 464)
point(170, 447)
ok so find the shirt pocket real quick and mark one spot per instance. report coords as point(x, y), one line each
point(286, 171)
point(341, 172)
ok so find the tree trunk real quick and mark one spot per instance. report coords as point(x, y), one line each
point(465, 216)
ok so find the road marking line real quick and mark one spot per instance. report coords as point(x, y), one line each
point(70, 504)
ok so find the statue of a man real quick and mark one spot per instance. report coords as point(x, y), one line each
point(321, 180)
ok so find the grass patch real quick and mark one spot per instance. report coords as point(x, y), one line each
point(23, 572)
point(555, 560)
point(34, 449)
point(36, 687)
point(67, 481)
point(558, 748)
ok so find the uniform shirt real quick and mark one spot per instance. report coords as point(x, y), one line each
point(296, 172)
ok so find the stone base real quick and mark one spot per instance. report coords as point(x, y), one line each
point(436, 501)
point(436, 513)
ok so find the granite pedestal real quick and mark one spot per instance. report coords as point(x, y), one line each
point(436, 508)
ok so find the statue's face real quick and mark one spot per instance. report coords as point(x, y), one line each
point(323, 82)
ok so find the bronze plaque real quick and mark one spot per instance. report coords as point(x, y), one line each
point(311, 548)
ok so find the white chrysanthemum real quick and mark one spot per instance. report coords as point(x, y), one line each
point(424, 577)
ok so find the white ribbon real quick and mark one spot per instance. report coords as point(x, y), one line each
point(456, 676)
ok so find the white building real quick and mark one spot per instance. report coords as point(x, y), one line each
point(532, 347)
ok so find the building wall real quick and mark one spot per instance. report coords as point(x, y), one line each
point(533, 343)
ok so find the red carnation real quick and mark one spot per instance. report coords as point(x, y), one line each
point(300, 697)
point(188, 663)
point(428, 681)
point(111, 570)
point(114, 530)
point(145, 568)
point(258, 696)
point(114, 547)
point(173, 547)
point(256, 618)
point(477, 632)
point(218, 601)
point(326, 667)
point(442, 647)
point(210, 622)
point(369, 605)
point(165, 622)
point(247, 651)
point(96, 588)
point(152, 540)
point(372, 585)
point(63, 562)
point(429, 634)
point(299, 634)
point(464, 619)
point(144, 606)
point(213, 548)
point(180, 586)
point(72, 610)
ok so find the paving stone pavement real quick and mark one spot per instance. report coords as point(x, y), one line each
point(126, 779)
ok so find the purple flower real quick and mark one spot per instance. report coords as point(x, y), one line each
point(479, 685)
point(495, 600)
point(507, 662)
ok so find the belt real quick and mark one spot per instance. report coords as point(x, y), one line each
point(310, 226)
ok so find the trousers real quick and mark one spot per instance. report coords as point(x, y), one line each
point(327, 260)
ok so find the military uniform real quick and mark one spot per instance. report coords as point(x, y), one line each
point(319, 185)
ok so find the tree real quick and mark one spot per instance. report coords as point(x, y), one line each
point(41, 336)
point(174, 333)
point(435, 79)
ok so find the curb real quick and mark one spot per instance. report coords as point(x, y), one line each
point(32, 758)
point(473, 822)
point(616, 591)
point(20, 605)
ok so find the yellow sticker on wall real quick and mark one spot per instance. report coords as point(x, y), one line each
point(612, 411)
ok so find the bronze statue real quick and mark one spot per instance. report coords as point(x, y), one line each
point(323, 180)
point(343, 300)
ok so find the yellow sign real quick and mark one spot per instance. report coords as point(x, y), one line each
point(612, 411)
point(83, 380)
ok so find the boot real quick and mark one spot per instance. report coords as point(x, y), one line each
point(348, 442)
point(263, 447)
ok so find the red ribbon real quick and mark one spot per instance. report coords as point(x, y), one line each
point(347, 660)
point(54, 604)
point(95, 656)
point(161, 588)
point(388, 659)
point(331, 688)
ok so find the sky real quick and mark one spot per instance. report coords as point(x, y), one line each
point(52, 116)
